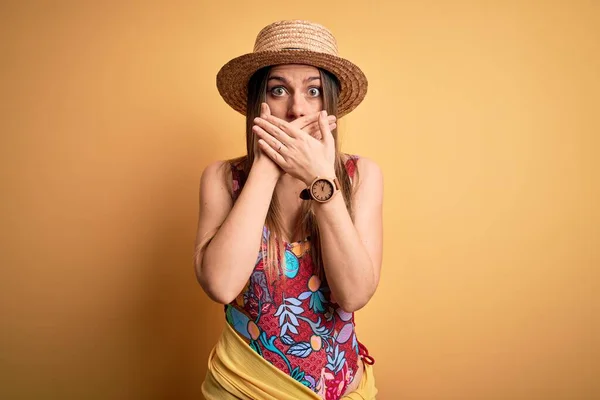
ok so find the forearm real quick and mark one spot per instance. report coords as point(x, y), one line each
point(231, 255)
point(348, 266)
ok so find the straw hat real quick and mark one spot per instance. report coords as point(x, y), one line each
point(292, 42)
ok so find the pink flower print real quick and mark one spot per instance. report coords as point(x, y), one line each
point(330, 386)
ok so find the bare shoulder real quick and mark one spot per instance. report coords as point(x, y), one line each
point(215, 200)
point(368, 166)
point(217, 176)
point(215, 170)
point(369, 172)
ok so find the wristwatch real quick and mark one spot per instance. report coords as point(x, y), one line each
point(321, 190)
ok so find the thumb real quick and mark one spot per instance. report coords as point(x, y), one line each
point(262, 110)
point(324, 127)
point(265, 111)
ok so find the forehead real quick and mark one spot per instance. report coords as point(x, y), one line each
point(297, 71)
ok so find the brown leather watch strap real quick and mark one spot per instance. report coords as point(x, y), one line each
point(337, 184)
point(305, 194)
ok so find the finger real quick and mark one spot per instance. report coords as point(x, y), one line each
point(324, 127)
point(271, 153)
point(307, 120)
point(318, 135)
point(265, 111)
point(285, 127)
point(262, 114)
point(269, 139)
point(313, 129)
point(304, 121)
point(273, 130)
point(313, 122)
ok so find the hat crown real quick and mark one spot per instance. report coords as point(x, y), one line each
point(292, 42)
point(296, 35)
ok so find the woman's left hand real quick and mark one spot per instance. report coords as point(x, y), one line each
point(295, 151)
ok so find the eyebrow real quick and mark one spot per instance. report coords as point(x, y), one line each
point(282, 79)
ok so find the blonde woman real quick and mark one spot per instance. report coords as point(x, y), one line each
point(290, 234)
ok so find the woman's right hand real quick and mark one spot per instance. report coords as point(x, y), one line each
point(262, 162)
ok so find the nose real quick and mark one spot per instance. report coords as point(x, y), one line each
point(297, 106)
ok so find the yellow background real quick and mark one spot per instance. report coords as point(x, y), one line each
point(482, 114)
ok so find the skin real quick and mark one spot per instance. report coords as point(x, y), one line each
point(295, 145)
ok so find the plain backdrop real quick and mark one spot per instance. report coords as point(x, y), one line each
point(483, 116)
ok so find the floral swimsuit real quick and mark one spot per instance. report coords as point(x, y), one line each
point(292, 323)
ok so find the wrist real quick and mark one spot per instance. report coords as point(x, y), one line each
point(268, 173)
point(321, 208)
point(321, 189)
point(309, 179)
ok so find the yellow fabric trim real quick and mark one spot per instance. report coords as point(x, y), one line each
point(235, 371)
point(366, 388)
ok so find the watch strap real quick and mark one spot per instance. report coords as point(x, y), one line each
point(305, 194)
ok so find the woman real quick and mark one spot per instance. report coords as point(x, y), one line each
point(290, 235)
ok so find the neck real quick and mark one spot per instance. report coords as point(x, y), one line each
point(290, 205)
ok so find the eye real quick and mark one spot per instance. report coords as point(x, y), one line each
point(314, 92)
point(277, 91)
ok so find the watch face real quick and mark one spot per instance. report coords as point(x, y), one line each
point(322, 190)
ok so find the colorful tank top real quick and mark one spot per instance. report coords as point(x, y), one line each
point(293, 324)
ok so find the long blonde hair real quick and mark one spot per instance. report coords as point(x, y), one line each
point(307, 224)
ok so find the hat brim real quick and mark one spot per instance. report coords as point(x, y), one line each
point(232, 79)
